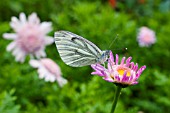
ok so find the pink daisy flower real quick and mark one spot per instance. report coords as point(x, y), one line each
point(125, 73)
point(48, 70)
point(146, 37)
point(30, 37)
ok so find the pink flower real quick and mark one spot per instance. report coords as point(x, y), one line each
point(30, 37)
point(125, 73)
point(146, 37)
point(48, 70)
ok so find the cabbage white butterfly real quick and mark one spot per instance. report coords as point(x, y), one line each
point(77, 51)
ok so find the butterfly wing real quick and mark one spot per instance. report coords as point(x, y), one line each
point(75, 50)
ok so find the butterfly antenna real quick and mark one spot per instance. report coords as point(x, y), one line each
point(113, 40)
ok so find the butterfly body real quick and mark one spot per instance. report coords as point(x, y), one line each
point(103, 57)
point(77, 51)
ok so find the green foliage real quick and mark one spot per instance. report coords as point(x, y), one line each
point(7, 102)
point(100, 23)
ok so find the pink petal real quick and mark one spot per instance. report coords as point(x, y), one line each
point(51, 67)
point(97, 73)
point(128, 61)
point(49, 40)
point(135, 82)
point(11, 46)
point(61, 81)
point(10, 36)
point(132, 65)
point(109, 66)
point(125, 78)
point(41, 76)
point(97, 67)
point(22, 18)
point(141, 69)
point(34, 63)
point(122, 62)
point(40, 54)
point(136, 67)
point(20, 57)
point(42, 71)
point(131, 78)
point(15, 24)
point(16, 51)
point(33, 19)
point(117, 78)
point(108, 78)
point(117, 59)
point(111, 57)
point(46, 27)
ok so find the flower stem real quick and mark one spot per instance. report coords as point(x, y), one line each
point(116, 97)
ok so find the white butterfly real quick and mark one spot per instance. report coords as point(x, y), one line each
point(77, 51)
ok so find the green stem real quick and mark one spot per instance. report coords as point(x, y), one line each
point(116, 97)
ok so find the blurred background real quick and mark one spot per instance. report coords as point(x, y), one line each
point(21, 90)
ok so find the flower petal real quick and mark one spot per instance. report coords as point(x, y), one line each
point(16, 51)
point(40, 54)
point(132, 65)
point(117, 59)
point(15, 24)
point(34, 63)
point(97, 67)
point(128, 61)
point(97, 73)
point(49, 40)
point(61, 81)
point(109, 79)
point(10, 36)
point(46, 27)
point(111, 57)
point(20, 57)
point(122, 62)
point(33, 19)
point(136, 67)
point(22, 18)
point(41, 73)
point(11, 46)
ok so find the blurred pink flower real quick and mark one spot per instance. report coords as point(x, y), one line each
point(146, 37)
point(48, 70)
point(124, 73)
point(30, 37)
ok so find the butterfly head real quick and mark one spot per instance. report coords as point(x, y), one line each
point(104, 56)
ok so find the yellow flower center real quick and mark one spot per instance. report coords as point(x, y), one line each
point(121, 71)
